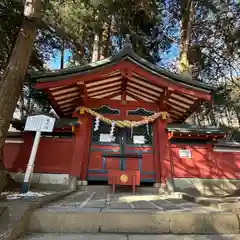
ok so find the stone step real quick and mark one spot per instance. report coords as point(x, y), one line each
point(119, 189)
point(95, 220)
point(4, 217)
point(59, 236)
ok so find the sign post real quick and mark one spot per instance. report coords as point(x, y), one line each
point(38, 123)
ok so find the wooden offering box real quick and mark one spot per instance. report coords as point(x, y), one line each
point(123, 177)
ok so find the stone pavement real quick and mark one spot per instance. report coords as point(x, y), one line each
point(13, 218)
point(101, 212)
point(127, 237)
point(123, 201)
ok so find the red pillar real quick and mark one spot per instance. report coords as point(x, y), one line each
point(163, 148)
point(156, 152)
point(86, 149)
point(79, 148)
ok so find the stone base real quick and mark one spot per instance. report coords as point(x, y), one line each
point(160, 188)
point(82, 183)
point(207, 187)
point(24, 187)
point(43, 178)
point(157, 185)
point(45, 181)
point(93, 220)
point(170, 185)
point(72, 182)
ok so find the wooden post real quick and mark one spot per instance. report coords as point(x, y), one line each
point(134, 185)
point(163, 142)
point(29, 171)
point(156, 152)
point(86, 148)
point(114, 184)
point(79, 148)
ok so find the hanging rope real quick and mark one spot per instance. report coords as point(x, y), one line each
point(124, 123)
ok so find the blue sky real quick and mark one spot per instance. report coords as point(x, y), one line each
point(171, 54)
point(54, 62)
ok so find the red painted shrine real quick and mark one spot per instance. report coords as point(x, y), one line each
point(125, 87)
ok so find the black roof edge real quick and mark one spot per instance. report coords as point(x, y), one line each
point(13, 134)
point(128, 53)
point(230, 144)
point(188, 128)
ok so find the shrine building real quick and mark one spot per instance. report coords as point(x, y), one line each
point(125, 114)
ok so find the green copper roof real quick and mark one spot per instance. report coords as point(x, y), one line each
point(230, 144)
point(188, 128)
point(126, 54)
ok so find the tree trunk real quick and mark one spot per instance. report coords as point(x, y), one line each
point(62, 55)
point(104, 48)
point(236, 109)
point(12, 81)
point(185, 31)
point(95, 52)
point(21, 105)
point(96, 39)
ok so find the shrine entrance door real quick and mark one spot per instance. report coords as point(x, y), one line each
point(127, 149)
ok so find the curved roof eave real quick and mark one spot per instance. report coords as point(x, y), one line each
point(126, 53)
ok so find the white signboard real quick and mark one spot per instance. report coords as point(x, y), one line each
point(106, 138)
point(33, 123)
point(138, 139)
point(47, 124)
point(40, 123)
point(185, 153)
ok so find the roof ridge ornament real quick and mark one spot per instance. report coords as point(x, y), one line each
point(127, 42)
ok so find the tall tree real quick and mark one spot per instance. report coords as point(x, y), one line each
point(13, 77)
point(186, 21)
point(94, 24)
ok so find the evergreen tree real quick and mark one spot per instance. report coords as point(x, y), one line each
point(13, 76)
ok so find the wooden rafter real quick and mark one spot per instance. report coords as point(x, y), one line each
point(106, 94)
point(142, 94)
point(121, 79)
point(144, 89)
point(170, 106)
point(103, 89)
point(135, 97)
point(164, 98)
point(145, 84)
point(102, 81)
point(164, 82)
point(68, 100)
point(113, 95)
point(178, 103)
point(108, 90)
point(64, 91)
point(143, 98)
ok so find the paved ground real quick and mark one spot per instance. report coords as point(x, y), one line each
point(124, 201)
point(16, 208)
point(126, 237)
point(98, 211)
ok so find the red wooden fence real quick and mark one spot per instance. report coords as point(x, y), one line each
point(55, 154)
point(204, 163)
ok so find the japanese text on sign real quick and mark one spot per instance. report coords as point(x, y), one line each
point(39, 123)
point(185, 153)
